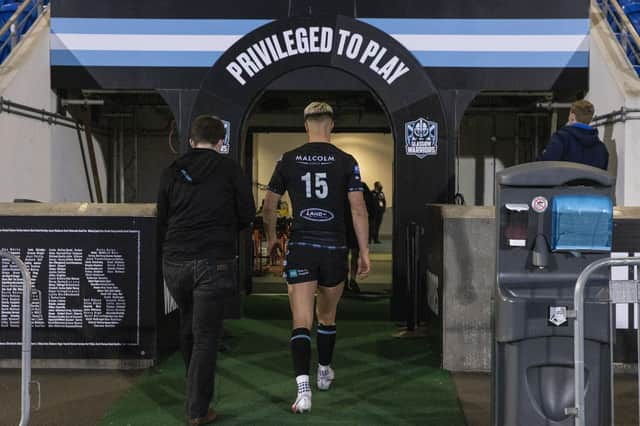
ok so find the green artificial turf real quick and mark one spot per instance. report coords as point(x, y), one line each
point(379, 379)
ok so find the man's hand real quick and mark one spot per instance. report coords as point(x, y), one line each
point(364, 265)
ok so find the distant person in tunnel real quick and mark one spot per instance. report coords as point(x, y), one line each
point(203, 201)
point(319, 177)
point(380, 207)
point(578, 142)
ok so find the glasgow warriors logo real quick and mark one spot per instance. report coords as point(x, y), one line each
point(421, 138)
point(226, 145)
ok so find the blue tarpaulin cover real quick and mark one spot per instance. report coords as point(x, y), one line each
point(582, 223)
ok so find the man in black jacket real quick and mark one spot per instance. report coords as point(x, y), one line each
point(204, 200)
point(380, 207)
point(578, 141)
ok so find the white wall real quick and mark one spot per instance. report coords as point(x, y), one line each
point(373, 151)
point(68, 180)
point(38, 161)
point(613, 84)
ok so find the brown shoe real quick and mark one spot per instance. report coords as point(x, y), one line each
point(209, 418)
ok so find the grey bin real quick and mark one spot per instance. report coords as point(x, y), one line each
point(552, 220)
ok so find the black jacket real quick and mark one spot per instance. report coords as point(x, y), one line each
point(203, 201)
point(578, 143)
point(380, 201)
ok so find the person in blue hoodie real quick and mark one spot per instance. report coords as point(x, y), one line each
point(577, 141)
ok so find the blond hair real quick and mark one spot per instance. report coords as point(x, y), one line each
point(317, 111)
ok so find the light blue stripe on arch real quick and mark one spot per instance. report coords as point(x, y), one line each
point(481, 26)
point(110, 58)
point(504, 59)
point(388, 25)
point(96, 58)
point(155, 26)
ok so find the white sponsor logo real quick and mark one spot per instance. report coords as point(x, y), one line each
point(317, 215)
point(316, 158)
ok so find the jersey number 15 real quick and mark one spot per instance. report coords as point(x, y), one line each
point(321, 186)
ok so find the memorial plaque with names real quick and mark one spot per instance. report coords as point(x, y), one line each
point(94, 282)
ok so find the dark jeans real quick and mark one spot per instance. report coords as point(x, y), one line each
point(200, 288)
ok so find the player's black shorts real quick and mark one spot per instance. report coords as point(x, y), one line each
point(309, 262)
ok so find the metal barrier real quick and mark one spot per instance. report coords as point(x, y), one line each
point(619, 292)
point(25, 408)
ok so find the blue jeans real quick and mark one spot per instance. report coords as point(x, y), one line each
point(200, 288)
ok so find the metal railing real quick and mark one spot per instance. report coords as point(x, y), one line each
point(25, 406)
point(619, 292)
point(51, 118)
point(16, 26)
point(620, 24)
point(413, 234)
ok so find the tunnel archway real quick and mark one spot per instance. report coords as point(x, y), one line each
point(422, 167)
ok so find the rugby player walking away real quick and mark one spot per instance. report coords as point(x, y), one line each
point(320, 178)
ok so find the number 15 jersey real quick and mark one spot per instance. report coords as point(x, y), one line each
point(318, 177)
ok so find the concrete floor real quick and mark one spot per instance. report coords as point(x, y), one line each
point(474, 392)
point(68, 397)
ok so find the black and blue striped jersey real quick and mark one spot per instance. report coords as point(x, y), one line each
point(318, 176)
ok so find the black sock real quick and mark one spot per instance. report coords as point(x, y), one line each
point(326, 343)
point(301, 351)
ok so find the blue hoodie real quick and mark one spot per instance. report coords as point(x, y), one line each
point(578, 143)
